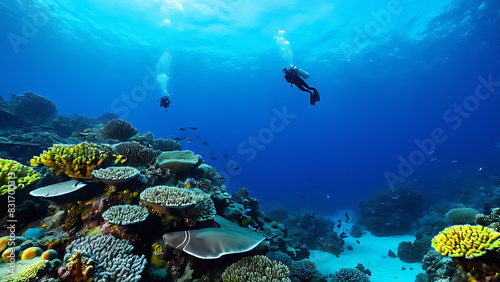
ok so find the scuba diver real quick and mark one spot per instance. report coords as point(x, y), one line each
point(164, 102)
point(293, 76)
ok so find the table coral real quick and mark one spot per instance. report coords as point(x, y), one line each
point(73, 160)
point(465, 240)
point(125, 214)
point(24, 175)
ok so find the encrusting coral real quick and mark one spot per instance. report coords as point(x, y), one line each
point(23, 175)
point(73, 160)
point(32, 272)
point(466, 241)
point(256, 268)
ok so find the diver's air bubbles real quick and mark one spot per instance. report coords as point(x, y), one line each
point(162, 80)
point(286, 51)
point(166, 22)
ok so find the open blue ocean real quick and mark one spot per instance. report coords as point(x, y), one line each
point(404, 141)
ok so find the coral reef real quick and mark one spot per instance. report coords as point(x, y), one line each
point(459, 216)
point(74, 216)
point(125, 214)
point(161, 198)
point(350, 275)
point(208, 172)
point(391, 213)
point(178, 161)
point(411, 252)
point(466, 241)
point(33, 271)
point(116, 175)
point(74, 160)
point(166, 144)
point(117, 129)
point(442, 268)
point(113, 258)
point(34, 108)
point(15, 175)
point(304, 269)
point(135, 153)
point(31, 252)
point(104, 118)
point(256, 268)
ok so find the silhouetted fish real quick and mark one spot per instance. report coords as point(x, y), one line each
point(309, 178)
point(346, 218)
point(176, 138)
point(213, 158)
point(182, 128)
point(340, 223)
point(197, 137)
point(302, 197)
point(193, 128)
point(204, 142)
point(224, 155)
point(235, 167)
point(357, 241)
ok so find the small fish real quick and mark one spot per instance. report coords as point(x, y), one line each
point(433, 159)
point(340, 223)
point(224, 155)
point(176, 138)
point(235, 167)
point(188, 139)
point(328, 196)
point(495, 176)
point(193, 128)
point(119, 159)
point(204, 142)
point(302, 197)
point(197, 137)
point(182, 129)
point(343, 235)
point(309, 178)
point(481, 168)
point(430, 153)
point(347, 218)
point(213, 158)
point(357, 241)
point(454, 161)
point(403, 268)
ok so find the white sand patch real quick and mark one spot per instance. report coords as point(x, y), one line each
point(371, 253)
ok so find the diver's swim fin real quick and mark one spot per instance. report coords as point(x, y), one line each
point(312, 99)
point(316, 95)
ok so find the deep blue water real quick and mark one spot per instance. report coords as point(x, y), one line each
point(416, 61)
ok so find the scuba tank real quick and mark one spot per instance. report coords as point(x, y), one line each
point(302, 73)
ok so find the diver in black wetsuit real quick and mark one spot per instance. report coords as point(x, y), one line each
point(164, 102)
point(292, 77)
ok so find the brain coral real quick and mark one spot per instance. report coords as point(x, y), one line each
point(256, 269)
point(461, 216)
point(466, 241)
point(135, 153)
point(24, 175)
point(118, 129)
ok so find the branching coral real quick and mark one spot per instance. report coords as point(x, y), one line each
point(135, 153)
point(466, 241)
point(350, 275)
point(19, 175)
point(256, 268)
point(73, 160)
point(118, 129)
point(305, 269)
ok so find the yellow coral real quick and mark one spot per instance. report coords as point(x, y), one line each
point(30, 253)
point(31, 272)
point(4, 243)
point(19, 175)
point(74, 160)
point(466, 241)
point(74, 216)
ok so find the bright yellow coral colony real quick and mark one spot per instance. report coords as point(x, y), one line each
point(74, 160)
point(466, 241)
point(23, 175)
